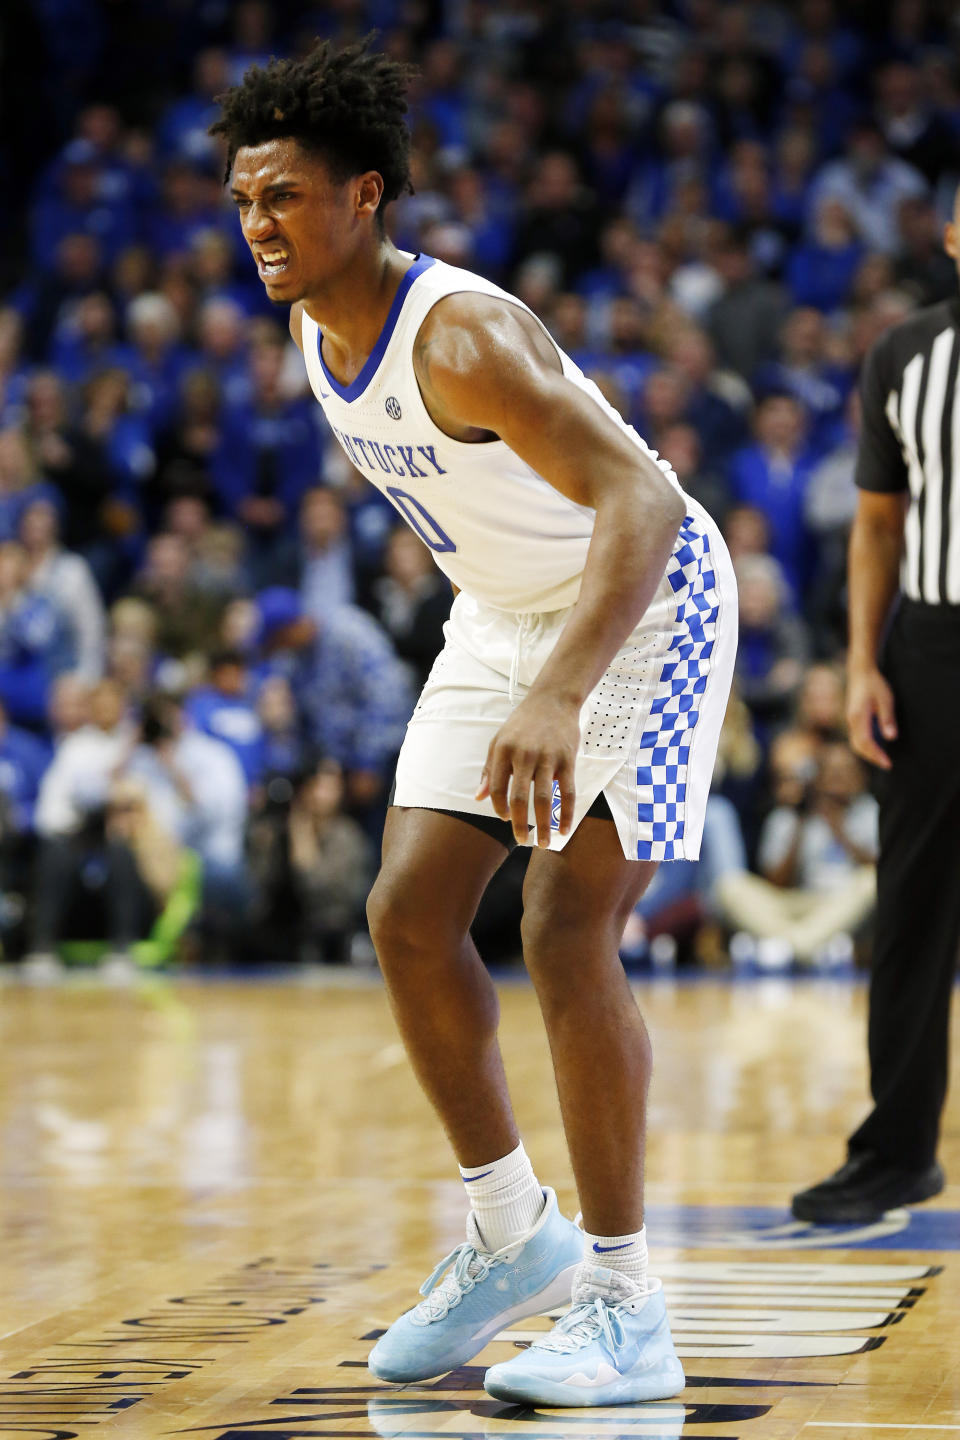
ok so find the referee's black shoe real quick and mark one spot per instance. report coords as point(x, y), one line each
point(863, 1189)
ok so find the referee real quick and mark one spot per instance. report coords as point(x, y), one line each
point(903, 710)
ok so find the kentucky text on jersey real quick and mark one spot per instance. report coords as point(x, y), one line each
point(406, 461)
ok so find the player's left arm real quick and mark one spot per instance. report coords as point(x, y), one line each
point(484, 366)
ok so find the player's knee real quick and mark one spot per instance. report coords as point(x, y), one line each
point(397, 923)
point(387, 916)
point(551, 920)
point(562, 925)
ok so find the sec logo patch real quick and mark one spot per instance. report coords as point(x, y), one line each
point(393, 407)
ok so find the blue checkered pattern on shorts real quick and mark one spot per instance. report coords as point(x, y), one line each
point(665, 743)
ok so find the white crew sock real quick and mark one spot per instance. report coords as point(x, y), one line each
point(506, 1198)
point(627, 1254)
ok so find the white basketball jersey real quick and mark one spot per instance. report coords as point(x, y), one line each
point(499, 530)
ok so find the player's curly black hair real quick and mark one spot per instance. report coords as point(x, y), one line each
point(347, 106)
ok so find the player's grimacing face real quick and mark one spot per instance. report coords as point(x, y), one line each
point(296, 219)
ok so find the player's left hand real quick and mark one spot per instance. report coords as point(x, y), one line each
point(536, 746)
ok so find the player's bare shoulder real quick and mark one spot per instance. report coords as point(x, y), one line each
point(470, 329)
point(296, 323)
point(472, 342)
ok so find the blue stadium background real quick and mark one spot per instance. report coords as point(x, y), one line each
point(211, 632)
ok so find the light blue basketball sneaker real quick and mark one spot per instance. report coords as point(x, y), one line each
point(613, 1347)
point(481, 1292)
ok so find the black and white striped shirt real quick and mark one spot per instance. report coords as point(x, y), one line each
point(910, 441)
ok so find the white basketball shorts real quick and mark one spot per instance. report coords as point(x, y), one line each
point(648, 731)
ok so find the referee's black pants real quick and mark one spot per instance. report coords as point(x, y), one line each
point(918, 890)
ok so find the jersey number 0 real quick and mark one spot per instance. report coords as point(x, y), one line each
point(421, 520)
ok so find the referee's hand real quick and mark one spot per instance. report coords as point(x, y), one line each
point(870, 709)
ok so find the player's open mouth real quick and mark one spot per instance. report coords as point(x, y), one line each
point(273, 263)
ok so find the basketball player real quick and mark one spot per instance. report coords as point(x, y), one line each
point(575, 707)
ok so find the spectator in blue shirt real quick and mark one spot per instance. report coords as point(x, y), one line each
point(190, 204)
point(820, 271)
point(441, 97)
point(609, 151)
point(820, 24)
point(718, 401)
point(269, 456)
point(76, 270)
point(13, 372)
point(110, 459)
point(699, 476)
point(349, 682)
point(772, 474)
point(156, 360)
point(745, 198)
point(627, 347)
point(67, 582)
point(20, 482)
point(122, 163)
point(491, 225)
point(326, 569)
point(794, 158)
point(211, 268)
point(34, 646)
point(78, 208)
point(182, 131)
point(222, 349)
point(188, 447)
point(773, 647)
point(85, 342)
point(682, 155)
point(370, 520)
point(93, 469)
point(663, 403)
point(319, 562)
point(285, 749)
point(802, 369)
point(23, 760)
point(253, 37)
point(618, 240)
point(871, 184)
point(813, 90)
point(121, 436)
point(223, 708)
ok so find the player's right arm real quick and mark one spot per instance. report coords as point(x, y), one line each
point(296, 323)
point(876, 545)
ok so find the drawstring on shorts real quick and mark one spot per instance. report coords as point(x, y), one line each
point(528, 630)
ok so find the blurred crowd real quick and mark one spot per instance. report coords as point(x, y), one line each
point(212, 630)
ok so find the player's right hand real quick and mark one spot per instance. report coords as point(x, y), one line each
point(520, 756)
point(869, 700)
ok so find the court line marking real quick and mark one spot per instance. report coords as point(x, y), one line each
point(869, 1425)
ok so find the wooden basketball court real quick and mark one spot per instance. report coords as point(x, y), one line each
point(214, 1195)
